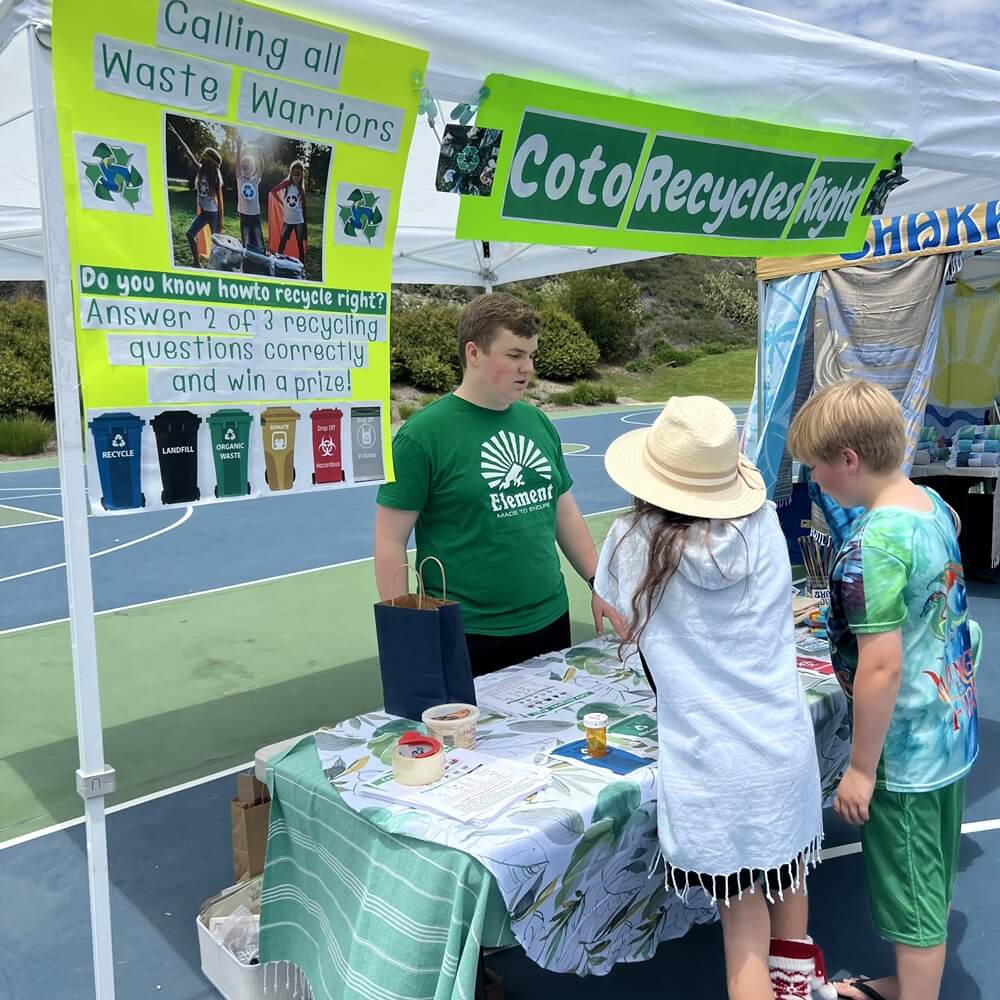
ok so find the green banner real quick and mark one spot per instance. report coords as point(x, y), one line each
point(589, 169)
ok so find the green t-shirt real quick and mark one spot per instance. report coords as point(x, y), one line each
point(486, 484)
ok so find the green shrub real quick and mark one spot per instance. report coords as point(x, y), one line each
point(406, 410)
point(667, 354)
point(565, 352)
point(27, 434)
point(25, 364)
point(424, 338)
point(429, 372)
point(594, 393)
point(642, 366)
point(608, 308)
point(732, 296)
point(585, 394)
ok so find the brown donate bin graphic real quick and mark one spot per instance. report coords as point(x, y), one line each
point(278, 427)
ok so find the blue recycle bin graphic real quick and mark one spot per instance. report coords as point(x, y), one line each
point(118, 439)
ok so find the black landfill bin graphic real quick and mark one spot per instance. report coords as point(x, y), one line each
point(231, 451)
point(327, 460)
point(277, 424)
point(118, 443)
point(177, 449)
point(366, 443)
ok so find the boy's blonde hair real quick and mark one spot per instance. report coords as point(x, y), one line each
point(850, 414)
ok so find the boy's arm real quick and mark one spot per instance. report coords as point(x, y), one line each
point(876, 685)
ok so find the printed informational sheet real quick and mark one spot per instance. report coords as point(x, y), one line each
point(232, 178)
point(513, 693)
point(475, 788)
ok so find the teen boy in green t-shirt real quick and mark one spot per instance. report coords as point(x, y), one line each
point(481, 477)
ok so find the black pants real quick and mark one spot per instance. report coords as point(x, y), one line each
point(489, 653)
point(299, 228)
point(251, 232)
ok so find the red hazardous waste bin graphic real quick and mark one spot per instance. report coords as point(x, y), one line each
point(327, 459)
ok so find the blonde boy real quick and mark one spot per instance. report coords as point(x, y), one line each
point(902, 645)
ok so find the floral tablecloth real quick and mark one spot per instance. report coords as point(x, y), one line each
point(573, 863)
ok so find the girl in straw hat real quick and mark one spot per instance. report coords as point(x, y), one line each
point(700, 572)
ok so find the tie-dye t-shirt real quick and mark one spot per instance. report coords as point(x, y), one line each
point(901, 569)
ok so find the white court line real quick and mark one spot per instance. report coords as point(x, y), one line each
point(38, 468)
point(234, 586)
point(14, 489)
point(117, 548)
point(68, 824)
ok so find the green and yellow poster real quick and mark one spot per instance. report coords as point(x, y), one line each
point(589, 169)
point(232, 178)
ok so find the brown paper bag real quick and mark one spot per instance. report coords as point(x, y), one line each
point(250, 811)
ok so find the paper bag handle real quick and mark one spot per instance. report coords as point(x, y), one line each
point(420, 583)
point(420, 575)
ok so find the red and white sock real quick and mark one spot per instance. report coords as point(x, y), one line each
point(797, 971)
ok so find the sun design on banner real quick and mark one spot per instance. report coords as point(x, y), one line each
point(968, 352)
point(505, 456)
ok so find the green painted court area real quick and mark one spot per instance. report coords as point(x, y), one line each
point(11, 516)
point(195, 685)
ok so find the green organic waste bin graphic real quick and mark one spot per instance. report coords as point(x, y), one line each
point(278, 427)
point(231, 451)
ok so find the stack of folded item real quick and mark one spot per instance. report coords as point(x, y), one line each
point(976, 448)
point(932, 446)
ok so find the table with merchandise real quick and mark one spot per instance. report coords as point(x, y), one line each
point(375, 896)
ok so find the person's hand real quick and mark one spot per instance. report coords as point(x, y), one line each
point(854, 794)
point(604, 610)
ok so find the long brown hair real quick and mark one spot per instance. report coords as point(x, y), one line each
point(668, 534)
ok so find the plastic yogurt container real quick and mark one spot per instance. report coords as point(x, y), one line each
point(454, 724)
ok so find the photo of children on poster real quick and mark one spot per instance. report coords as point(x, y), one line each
point(245, 201)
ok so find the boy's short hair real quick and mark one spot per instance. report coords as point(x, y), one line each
point(483, 318)
point(850, 414)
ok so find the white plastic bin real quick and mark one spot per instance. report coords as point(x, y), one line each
point(227, 974)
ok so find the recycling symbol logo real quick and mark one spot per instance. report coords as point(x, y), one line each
point(468, 160)
point(118, 441)
point(248, 191)
point(230, 434)
point(361, 216)
point(113, 176)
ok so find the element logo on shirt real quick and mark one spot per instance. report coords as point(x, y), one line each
point(203, 188)
point(292, 198)
point(505, 456)
point(248, 191)
point(504, 460)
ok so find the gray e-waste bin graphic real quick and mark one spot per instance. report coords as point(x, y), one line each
point(366, 443)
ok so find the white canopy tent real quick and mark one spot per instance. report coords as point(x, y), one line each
point(702, 54)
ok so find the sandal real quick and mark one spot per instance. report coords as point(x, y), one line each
point(861, 986)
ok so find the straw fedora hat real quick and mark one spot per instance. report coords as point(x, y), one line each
point(688, 462)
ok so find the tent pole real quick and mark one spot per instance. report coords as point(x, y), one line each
point(94, 779)
point(761, 372)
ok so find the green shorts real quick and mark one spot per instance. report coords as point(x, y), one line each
point(911, 859)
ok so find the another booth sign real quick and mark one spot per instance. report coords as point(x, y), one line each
point(894, 237)
point(232, 179)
